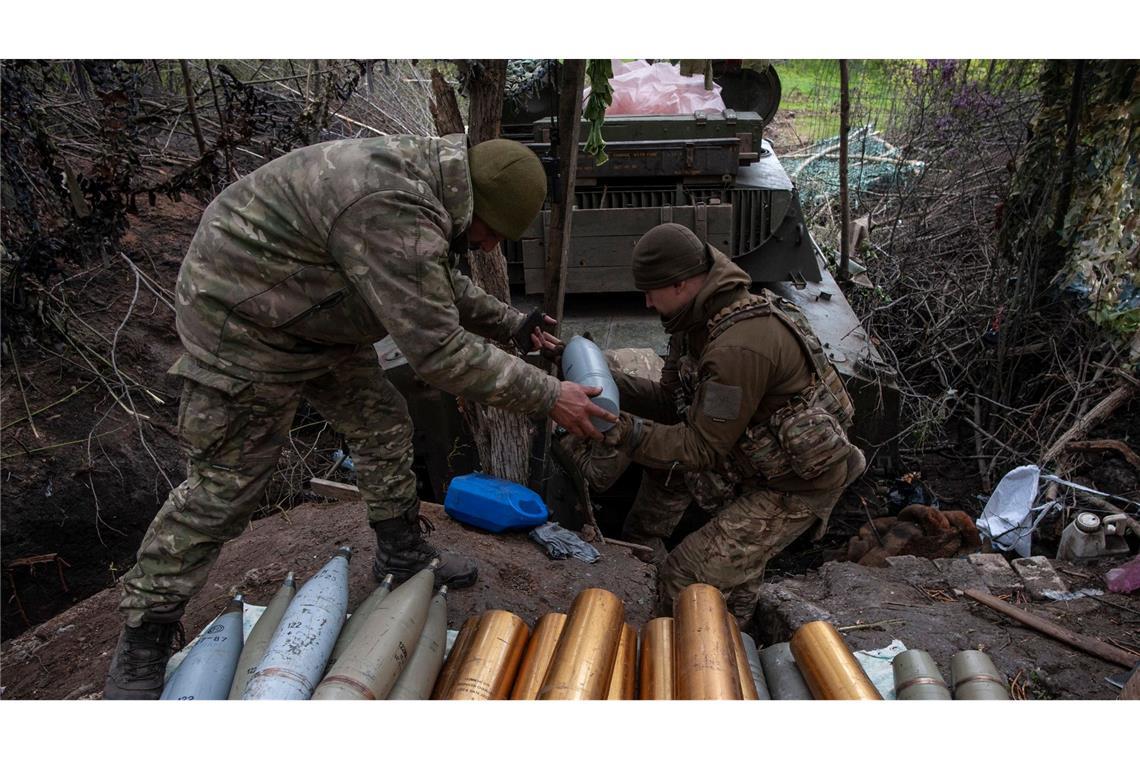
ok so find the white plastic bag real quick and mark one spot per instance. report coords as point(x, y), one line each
point(1008, 519)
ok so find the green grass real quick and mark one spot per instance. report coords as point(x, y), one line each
point(810, 89)
point(879, 89)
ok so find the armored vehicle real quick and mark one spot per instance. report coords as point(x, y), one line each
point(714, 172)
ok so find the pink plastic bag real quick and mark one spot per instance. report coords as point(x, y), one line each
point(644, 89)
point(1124, 579)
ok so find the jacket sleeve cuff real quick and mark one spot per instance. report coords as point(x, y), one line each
point(512, 323)
point(553, 390)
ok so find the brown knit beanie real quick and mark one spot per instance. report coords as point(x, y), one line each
point(666, 254)
point(509, 185)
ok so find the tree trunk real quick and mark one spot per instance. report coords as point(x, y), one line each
point(485, 84)
point(502, 438)
point(444, 107)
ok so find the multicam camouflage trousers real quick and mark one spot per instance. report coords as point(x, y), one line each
point(749, 525)
point(732, 549)
point(233, 431)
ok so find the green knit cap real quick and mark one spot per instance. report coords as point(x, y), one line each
point(509, 185)
point(666, 254)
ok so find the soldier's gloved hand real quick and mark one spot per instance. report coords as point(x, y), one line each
point(551, 347)
point(626, 434)
point(531, 336)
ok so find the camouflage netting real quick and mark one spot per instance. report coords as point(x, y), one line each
point(526, 78)
point(1098, 233)
point(872, 163)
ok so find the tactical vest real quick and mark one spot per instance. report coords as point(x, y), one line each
point(807, 435)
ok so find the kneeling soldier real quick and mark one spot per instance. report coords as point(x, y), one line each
point(749, 419)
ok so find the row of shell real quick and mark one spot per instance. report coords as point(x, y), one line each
point(592, 653)
point(972, 674)
point(393, 647)
point(302, 648)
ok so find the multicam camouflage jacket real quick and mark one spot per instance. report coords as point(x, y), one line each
point(724, 379)
point(337, 245)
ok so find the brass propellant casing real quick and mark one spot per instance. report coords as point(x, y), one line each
point(623, 681)
point(492, 660)
point(828, 667)
point(656, 663)
point(539, 652)
point(583, 661)
point(704, 656)
point(446, 677)
point(747, 685)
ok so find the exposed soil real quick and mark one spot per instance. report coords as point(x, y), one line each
point(67, 657)
point(912, 601)
point(85, 488)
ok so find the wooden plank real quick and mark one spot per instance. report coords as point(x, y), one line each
point(1087, 644)
point(330, 489)
point(612, 251)
point(587, 280)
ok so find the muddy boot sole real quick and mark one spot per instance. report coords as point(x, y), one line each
point(399, 575)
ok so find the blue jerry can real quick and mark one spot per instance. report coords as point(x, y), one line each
point(493, 504)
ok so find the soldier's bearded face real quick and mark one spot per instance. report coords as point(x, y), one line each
point(480, 237)
point(670, 299)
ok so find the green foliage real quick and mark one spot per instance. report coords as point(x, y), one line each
point(881, 90)
point(1096, 243)
point(598, 74)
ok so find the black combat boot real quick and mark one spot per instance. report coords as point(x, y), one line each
point(402, 551)
point(139, 665)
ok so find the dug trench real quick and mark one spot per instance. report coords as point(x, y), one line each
point(83, 485)
point(82, 479)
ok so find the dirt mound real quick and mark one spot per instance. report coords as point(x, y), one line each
point(67, 657)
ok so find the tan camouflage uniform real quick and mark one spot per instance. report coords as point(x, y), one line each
point(710, 393)
point(294, 272)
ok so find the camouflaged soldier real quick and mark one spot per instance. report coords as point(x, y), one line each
point(749, 419)
point(294, 272)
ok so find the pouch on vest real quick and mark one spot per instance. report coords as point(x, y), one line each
point(813, 442)
point(803, 438)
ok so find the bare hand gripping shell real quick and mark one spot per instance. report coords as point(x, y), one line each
point(584, 363)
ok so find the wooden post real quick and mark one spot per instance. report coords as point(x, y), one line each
point(844, 206)
point(571, 78)
point(484, 121)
